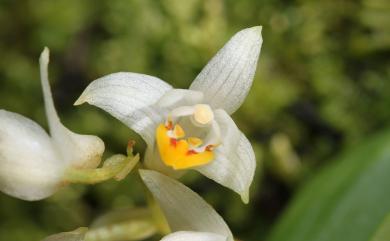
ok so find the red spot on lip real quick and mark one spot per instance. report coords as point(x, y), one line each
point(169, 126)
point(130, 144)
point(209, 148)
point(173, 142)
point(191, 152)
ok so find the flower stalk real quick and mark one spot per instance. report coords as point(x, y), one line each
point(116, 167)
point(130, 230)
point(112, 167)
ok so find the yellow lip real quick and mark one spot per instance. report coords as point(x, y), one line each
point(176, 153)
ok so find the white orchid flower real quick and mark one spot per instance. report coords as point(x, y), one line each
point(190, 129)
point(188, 215)
point(32, 163)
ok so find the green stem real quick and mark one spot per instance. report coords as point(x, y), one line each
point(130, 230)
point(117, 167)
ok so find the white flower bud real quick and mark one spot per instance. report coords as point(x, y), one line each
point(32, 164)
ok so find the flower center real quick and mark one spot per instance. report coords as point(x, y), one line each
point(181, 152)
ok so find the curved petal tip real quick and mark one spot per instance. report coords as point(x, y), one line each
point(44, 58)
point(256, 29)
point(79, 101)
point(245, 197)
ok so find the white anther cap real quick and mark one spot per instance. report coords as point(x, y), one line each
point(203, 114)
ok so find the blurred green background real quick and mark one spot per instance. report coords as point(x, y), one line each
point(322, 85)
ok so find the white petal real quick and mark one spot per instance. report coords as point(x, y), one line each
point(183, 97)
point(76, 150)
point(183, 208)
point(76, 235)
point(227, 78)
point(233, 169)
point(129, 97)
point(29, 167)
point(230, 133)
point(193, 236)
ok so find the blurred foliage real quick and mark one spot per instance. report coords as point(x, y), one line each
point(383, 232)
point(343, 202)
point(322, 83)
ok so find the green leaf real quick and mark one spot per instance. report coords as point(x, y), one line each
point(383, 232)
point(346, 201)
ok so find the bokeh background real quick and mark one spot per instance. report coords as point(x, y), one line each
point(322, 85)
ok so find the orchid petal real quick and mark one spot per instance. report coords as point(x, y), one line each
point(174, 97)
point(77, 150)
point(183, 208)
point(129, 97)
point(29, 167)
point(227, 78)
point(193, 236)
point(233, 169)
point(230, 133)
